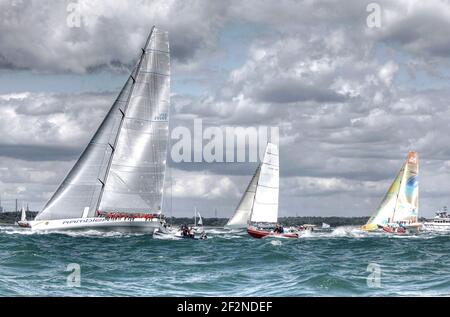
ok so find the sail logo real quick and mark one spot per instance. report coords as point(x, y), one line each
point(411, 186)
point(161, 117)
point(221, 144)
point(87, 220)
point(74, 277)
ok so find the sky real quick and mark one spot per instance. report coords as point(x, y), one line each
point(350, 93)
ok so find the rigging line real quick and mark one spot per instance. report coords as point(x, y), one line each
point(267, 186)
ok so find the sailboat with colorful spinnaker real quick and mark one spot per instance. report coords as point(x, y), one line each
point(398, 211)
point(117, 183)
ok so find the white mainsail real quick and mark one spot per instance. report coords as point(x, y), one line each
point(242, 213)
point(122, 169)
point(265, 205)
point(200, 220)
point(401, 202)
point(23, 215)
point(407, 207)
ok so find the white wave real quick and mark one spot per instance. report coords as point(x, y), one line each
point(306, 234)
point(348, 231)
point(165, 236)
point(12, 229)
point(217, 230)
point(230, 236)
point(15, 230)
point(276, 242)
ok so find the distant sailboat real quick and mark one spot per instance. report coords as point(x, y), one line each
point(398, 211)
point(198, 225)
point(200, 220)
point(117, 183)
point(23, 219)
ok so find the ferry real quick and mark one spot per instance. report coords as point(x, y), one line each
point(441, 222)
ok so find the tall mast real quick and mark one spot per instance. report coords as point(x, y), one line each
point(195, 216)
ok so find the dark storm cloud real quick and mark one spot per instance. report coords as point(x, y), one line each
point(39, 153)
point(36, 35)
point(418, 28)
point(294, 91)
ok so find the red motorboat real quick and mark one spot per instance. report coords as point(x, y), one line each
point(262, 233)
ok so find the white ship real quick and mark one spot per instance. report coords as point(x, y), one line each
point(441, 222)
point(117, 183)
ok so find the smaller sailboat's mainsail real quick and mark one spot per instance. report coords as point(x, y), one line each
point(23, 215)
point(200, 220)
point(265, 204)
point(242, 214)
point(401, 202)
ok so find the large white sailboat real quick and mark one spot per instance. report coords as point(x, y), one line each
point(399, 209)
point(258, 208)
point(117, 183)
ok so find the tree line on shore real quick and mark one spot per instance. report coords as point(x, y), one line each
point(11, 217)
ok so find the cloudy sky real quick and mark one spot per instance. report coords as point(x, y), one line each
point(350, 97)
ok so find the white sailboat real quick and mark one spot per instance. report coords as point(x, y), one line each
point(198, 224)
point(258, 209)
point(117, 183)
point(23, 219)
point(398, 211)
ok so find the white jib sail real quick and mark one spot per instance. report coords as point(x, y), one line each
point(242, 213)
point(265, 205)
point(23, 216)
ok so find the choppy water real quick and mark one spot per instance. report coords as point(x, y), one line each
point(229, 263)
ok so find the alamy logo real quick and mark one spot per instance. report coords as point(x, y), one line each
point(374, 18)
point(374, 278)
point(161, 117)
point(74, 277)
point(221, 144)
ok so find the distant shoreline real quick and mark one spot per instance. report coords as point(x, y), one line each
point(333, 221)
point(11, 217)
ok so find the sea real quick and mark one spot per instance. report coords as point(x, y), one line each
point(343, 262)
